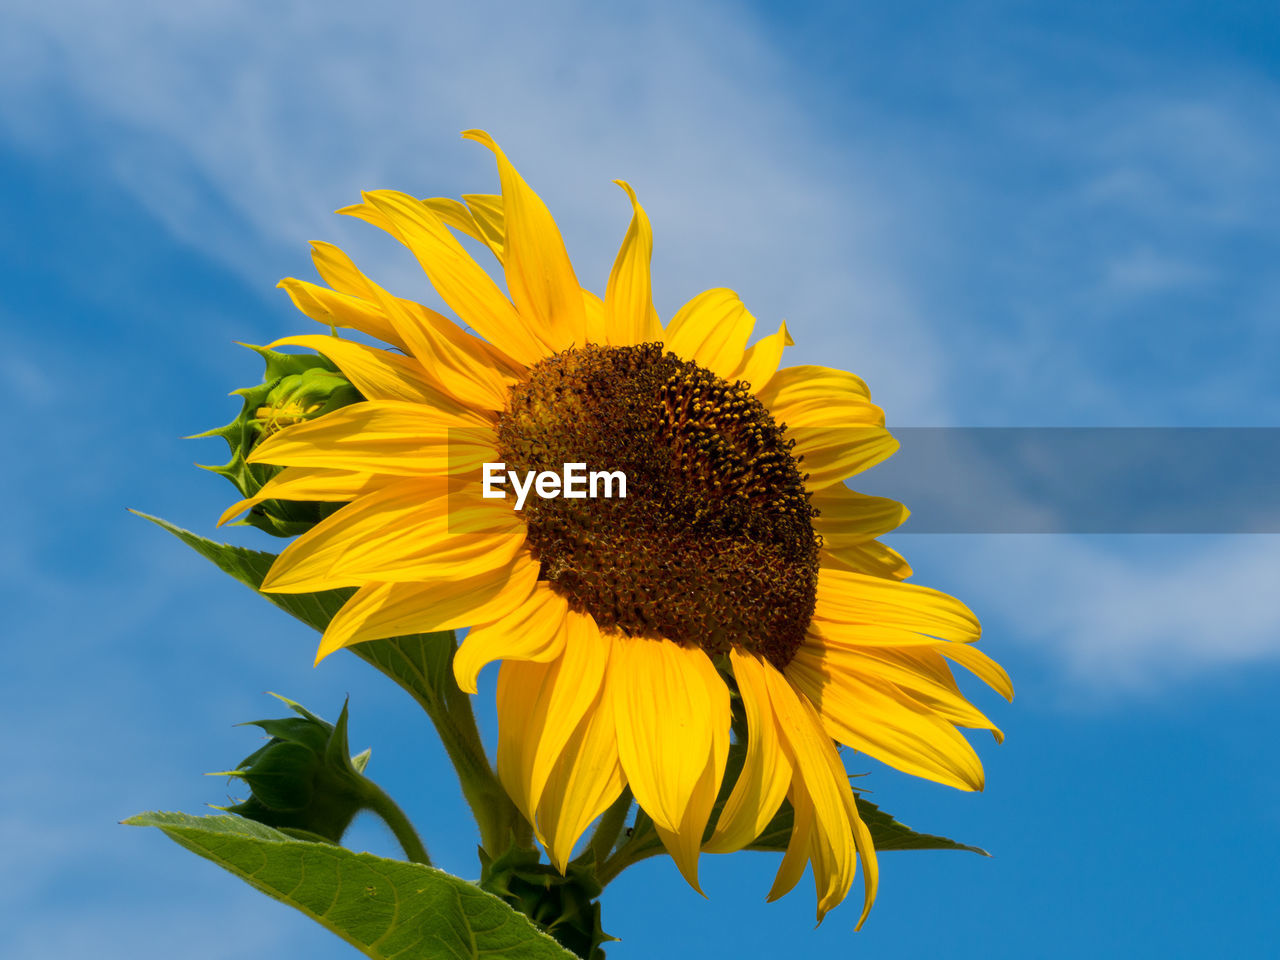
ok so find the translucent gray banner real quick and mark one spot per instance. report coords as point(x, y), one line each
point(1083, 479)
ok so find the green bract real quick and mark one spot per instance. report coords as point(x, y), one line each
point(303, 780)
point(564, 905)
point(294, 387)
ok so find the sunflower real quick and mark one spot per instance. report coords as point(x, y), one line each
point(738, 565)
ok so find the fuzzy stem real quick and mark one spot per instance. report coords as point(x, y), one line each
point(499, 820)
point(377, 800)
point(625, 857)
point(496, 816)
point(642, 843)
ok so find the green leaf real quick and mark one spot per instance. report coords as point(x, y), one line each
point(384, 908)
point(642, 840)
point(418, 663)
point(886, 832)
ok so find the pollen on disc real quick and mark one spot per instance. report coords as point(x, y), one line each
point(713, 543)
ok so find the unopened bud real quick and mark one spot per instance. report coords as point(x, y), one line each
point(303, 779)
point(295, 387)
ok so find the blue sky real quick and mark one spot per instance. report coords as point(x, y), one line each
point(998, 214)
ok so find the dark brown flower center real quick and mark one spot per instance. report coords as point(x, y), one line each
point(713, 543)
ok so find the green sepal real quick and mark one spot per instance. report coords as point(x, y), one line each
point(361, 759)
point(293, 728)
point(565, 905)
point(304, 778)
point(294, 387)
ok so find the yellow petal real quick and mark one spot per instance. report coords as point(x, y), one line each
point(810, 395)
point(980, 665)
point(486, 210)
point(956, 711)
point(461, 364)
point(819, 774)
point(539, 274)
point(378, 374)
point(766, 770)
point(522, 688)
point(585, 780)
point(385, 436)
point(846, 517)
point(465, 367)
point(355, 302)
point(760, 362)
point(452, 213)
point(917, 672)
point(593, 308)
point(830, 455)
point(335, 309)
point(308, 483)
point(711, 330)
point(379, 610)
point(871, 558)
point(410, 530)
point(461, 282)
point(870, 863)
point(629, 317)
point(853, 598)
point(797, 856)
point(874, 717)
point(866, 634)
point(482, 218)
point(474, 215)
point(532, 631)
point(685, 842)
point(670, 714)
point(837, 429)
point(541, 704)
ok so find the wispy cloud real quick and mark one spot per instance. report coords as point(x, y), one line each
point(241, 130)
point(1186, 155)
point(975, 292)
point(1143, 271)
point(1122, 614)
point(1139, 292)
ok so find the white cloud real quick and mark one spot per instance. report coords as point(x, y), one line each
point(241, 128)
point(1143, 271)
point(1121, 613)
point(1121, 240)
point(1185, 156)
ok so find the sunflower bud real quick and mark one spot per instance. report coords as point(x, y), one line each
point(295, 387)
point(303, 778)
point(566, 906)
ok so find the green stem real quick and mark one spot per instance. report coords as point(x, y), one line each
point(377, 800)
point(496, 816)
point(641, 844)
point(610, 827)
point(625, 857)
point(499, 820)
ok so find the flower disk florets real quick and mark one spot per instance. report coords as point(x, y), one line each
point(713, 544)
